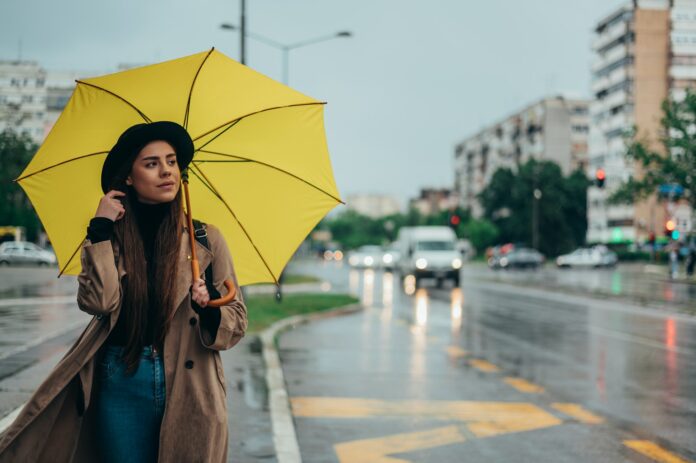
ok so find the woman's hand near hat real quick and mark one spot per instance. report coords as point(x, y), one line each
point(110, 206)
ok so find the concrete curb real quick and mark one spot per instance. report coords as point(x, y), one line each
point(284, 436)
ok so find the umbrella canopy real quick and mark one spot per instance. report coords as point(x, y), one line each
point(261, 170)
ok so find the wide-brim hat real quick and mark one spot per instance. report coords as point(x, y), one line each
point(133, 139)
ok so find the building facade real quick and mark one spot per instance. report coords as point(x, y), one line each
point(552, 129)
point(433, 200)
point(373, 205)
point(645, 52)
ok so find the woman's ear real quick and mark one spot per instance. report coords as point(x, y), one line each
point(129, 182)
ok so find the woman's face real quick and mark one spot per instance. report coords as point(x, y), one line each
point(155, 173)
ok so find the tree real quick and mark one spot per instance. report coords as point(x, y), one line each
point(674, 164)
point(16, 150)
point(481, 233)
point(508, 202)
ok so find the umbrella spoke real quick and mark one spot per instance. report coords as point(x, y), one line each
point(188, 102)
point(60, 164)
point(234, 216)
point(142, 114)
point(71, 258)
point(240, 158)
point(234, 121)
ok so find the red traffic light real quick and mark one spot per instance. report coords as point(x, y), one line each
point(601, 175)
point(455, 220)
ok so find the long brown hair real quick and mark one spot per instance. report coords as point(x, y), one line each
point(135, 301)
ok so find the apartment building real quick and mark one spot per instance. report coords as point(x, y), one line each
point(645, 52)
point(554, 129)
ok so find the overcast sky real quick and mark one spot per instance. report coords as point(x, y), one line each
point(417, 77)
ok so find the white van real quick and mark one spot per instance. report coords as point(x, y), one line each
point(429, 252)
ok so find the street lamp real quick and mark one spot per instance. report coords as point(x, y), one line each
point(286, 48)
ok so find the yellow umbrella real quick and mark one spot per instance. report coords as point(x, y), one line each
point(261, 170)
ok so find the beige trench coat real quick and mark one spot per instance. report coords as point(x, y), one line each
point(54, 426)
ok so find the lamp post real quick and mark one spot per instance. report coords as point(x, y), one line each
point(286, 48)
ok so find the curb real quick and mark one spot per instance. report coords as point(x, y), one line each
point(284, 435)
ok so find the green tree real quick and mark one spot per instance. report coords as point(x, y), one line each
point(481, 233)
point(678, 139)
point(508, 202)
point(16, 150)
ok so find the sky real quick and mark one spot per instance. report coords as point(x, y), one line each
point(415, 78)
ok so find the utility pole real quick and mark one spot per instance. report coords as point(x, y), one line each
point(242, 32)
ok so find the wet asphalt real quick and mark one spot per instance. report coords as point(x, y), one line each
point(520, 370)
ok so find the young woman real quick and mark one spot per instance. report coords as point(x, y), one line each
point(144, 382)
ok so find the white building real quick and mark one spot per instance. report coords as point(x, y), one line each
point(553, 129)
point(373, 205)
point(644, 52)
point(23, 98)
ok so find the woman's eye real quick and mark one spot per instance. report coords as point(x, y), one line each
point(172, 162)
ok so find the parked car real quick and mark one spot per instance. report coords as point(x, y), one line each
point(597, 256)
point(368, 256)
point(429, 252)
point(518, 258)
point(23, 253)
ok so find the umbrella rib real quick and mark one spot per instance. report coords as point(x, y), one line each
point(142, 114)
point(232, 124)
point(239, 223)
point(234, 121)
point(276, 168)
point(188, 102)
point(60, 163)
point(71, 258)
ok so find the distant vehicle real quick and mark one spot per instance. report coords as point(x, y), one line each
point(429, 252)
point(24, 253)
point(368, 256)
point(517, 258)
point(390, 258)
point(597, 256)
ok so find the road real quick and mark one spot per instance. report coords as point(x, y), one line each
point(520, 370)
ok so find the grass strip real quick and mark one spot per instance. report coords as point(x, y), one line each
point(264, 310)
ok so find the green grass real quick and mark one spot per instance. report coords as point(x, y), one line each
point(292, 279)
point(263, 310)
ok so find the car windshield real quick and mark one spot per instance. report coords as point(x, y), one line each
point(435, 246)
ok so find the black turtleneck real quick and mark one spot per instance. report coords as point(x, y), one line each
point(148, 217)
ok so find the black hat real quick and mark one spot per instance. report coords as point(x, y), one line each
point(136, 137)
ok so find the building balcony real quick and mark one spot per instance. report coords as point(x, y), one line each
point(609, 35)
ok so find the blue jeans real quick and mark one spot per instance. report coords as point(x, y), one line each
point(129, 409)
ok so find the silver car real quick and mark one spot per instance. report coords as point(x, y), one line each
point(25, 253)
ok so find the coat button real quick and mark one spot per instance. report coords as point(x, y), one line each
point(189, 364)
point(192, 321)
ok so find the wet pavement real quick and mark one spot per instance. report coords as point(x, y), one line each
point(492, 372)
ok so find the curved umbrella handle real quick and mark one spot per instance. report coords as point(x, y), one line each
point(231, 293)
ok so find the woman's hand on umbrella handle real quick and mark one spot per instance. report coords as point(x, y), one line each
point(199, 293)
point(110, 206)
point(224, 300)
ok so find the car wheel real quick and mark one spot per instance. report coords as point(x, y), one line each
point(4, 263)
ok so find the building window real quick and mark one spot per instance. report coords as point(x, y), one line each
point(27, 99)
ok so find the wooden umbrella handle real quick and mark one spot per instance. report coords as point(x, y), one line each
point(195, 269)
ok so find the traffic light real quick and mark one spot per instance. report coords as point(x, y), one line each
point(600, 176)
point(454, 220)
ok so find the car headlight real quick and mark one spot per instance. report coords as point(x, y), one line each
point(387, 259)
point(456, 263)
point(421, 263)
point(504, 262)
point(369, 261)
point(353, 260)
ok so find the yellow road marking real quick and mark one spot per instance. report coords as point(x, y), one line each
point(484, 419)
point(524, 385)
point(377, 450)
point(654, 451)
point(456, 351)
point(482, 365)
point(576, 411)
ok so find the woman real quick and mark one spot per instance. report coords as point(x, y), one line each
point(144, 382)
